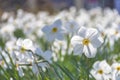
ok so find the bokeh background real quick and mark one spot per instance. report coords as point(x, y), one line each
point(55, 5)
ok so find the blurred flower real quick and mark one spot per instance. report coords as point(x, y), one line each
point(22, 54)
point(54, 31)
point(25, 44)
point(115, 71)
point(71, 27)
point(47, 55)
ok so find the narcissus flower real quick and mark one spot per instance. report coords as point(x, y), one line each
point(53, 31)
point(101, 70)
point(47, 55)
point(86, 41)
point(22, 55)
point(25, 44)
point(115, 71)
point(71, 27)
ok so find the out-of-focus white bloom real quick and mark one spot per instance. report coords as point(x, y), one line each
point(47, 55)
point(86, 41)
point(59, 45)
point(113, 34)
point(25, 44)
point(10, 45)
point(71, 27)
point(83, 18)
point(54, 31)
point(5, 16)
point(101, 70)
point(115, 71)
point(47, 59)
point(22, 55)
point(7, 30)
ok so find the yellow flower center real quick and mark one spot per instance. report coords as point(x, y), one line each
point(86, 41)
point(118, 68)
point(100, 71)
point(22, 49)
point(54, 30)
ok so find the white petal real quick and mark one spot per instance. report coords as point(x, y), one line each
point(20, 71)
point(89, 51)
point(92, 33)
point(47, 55)
point(82, 32)
point(38, 51)
point(76, 40)
point(57, 23)
point(96, 42)
point(27, 43)
point(114, 65)
point(59, 36)
point(95, 75)
point(105, 66)
point(19, 42)
point(35, 68)
point(46, 29)
point(50, 37)
point(96, 65)
point(78, 49)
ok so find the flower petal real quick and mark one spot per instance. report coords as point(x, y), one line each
point(27, 43)
point(96, 65)
point(46, 29)
point(92, 33)
point(58, 23)
point(89, 51)
point(19, 42)
point(60, 36)
point(82, 32)
point(35, 68)
point(96, 42)
point(76, 40)
point(48, 55)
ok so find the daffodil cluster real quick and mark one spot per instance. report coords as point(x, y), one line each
point(54, 45)
point(103, 71)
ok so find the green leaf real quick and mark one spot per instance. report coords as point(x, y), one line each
point(67, 72)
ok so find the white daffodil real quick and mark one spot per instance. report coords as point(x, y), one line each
point(47, 55)
point(25, 44)
point(59, 46)
point(115, 71)
point(101, 70)
point(22, 55)
point(86, 42)
point(54, 31)
point(47, 58)
point(71, 27)
point(113, 34)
